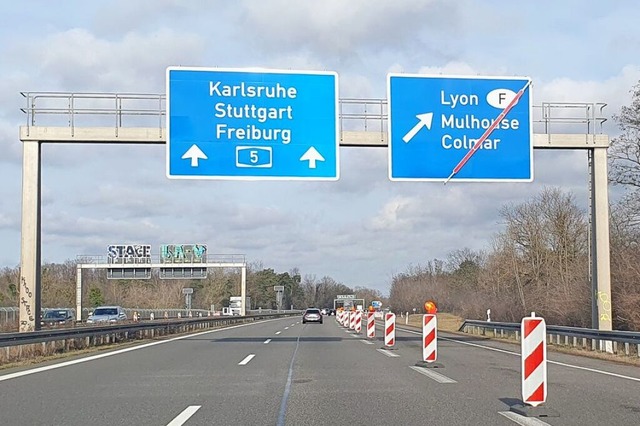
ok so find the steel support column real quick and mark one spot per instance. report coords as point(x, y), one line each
point(601, 270)
point(30, 241)
point(78, 293)
point(243, 291)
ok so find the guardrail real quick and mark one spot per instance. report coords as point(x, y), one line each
point(149, 109)
point(583, 338)
point(44, 342)
point(10, 314)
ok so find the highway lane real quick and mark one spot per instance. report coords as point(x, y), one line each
point(295, 374)
point(151, 386)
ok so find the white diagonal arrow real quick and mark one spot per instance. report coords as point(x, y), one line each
point(423, 120)
point(312, 155)
point(194, 153)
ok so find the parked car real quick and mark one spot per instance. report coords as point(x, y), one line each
point(312, 315)
point(107, 314)
point(54, 317)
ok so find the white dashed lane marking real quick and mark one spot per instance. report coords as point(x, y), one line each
point(247, 359)
point(440, 378)
point(184, 416)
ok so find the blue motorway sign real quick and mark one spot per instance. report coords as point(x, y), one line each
point(460, 128)
point(250, 124)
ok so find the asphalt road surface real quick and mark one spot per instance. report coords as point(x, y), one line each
point(281, 372)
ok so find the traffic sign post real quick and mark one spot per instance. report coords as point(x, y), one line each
point(429, 341)
point(459, 128)
point(389, 330)
point(358, 327)
point(534, 360)
point(534, 369)
point(371, 325)
point(248, 124)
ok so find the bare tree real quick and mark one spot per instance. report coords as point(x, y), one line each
point(545, 243)
point(625, 149)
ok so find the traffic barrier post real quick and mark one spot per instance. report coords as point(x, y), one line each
point(389, 330)
point(429, 342)
point(358, 322)
point(534, 368)
point(371, 325)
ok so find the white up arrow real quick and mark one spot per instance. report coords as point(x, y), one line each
point(194, 153)
point(423, 120)
point(312, 155)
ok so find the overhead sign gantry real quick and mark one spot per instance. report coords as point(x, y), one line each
point(70, 105)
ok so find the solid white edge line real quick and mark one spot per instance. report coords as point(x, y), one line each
point(117, 352)
point(521, 420)
point(387, 353)
point(562, 364)
point(440, 378)
point(247, 359)
point(267, 341)
point(185, 415)
point(593, 370)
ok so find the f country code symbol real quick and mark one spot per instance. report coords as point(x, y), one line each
point(254, 156)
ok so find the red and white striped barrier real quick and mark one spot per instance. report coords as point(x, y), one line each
point(352, 320)
point(358, 322)
point(390, 329)
point(534, 360)
point(429, 338)
point(371, 325)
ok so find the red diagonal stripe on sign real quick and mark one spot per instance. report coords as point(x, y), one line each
point(390, 328)
point(533, 360)
point(429, 338)
point(391, 342)
point(431, 356)
point(530, 325)
point(428, 319)
point(537, 395)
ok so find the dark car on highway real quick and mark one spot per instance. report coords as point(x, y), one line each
point(53, 317)
point(312, 315)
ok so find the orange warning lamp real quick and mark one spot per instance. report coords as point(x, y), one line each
point(430, 307)
point(371, 309)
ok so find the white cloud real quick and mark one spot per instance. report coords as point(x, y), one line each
point(393, 215)
point(335, 27)
point(78, 60)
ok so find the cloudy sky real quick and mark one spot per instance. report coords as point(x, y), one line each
point(360, 230)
